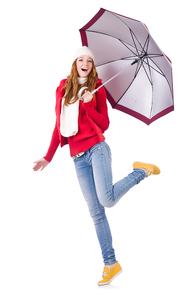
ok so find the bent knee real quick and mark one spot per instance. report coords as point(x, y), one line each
point(107, 204)
point(107, 200)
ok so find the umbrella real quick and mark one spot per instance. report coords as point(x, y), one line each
point(136, 74)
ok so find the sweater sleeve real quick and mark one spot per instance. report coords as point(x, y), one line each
point(53, 145)
point(100, 114)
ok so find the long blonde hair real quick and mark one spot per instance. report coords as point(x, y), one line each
point(72, 87)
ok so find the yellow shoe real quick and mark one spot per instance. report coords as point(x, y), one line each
point(110, 274)
point(151, 168)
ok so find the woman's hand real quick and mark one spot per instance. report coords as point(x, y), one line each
point(40, 164)
point(87, 96)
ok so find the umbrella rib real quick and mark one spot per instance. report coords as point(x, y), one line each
point(124, 43)
point(107, 63)
point(139, 65)
point(147, 42)
point(149, 77)
point(161, 72)
point(134, 41)
point(132, 33)
point(151, 81)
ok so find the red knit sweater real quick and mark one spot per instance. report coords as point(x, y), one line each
point(92, 122)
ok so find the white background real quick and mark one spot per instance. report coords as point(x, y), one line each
point(48, 243)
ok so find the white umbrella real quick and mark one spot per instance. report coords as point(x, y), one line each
point(141, 83)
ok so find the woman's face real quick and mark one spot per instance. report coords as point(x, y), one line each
point(84, 66)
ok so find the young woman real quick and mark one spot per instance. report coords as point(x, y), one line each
point(81, 124)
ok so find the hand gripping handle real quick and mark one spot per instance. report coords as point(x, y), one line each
point(81, 90)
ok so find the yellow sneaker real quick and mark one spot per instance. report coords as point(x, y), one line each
point(151, 168)
point(109, 274)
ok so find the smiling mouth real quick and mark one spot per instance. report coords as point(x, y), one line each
point(84, 70)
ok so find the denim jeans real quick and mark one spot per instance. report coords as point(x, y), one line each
point(95, 178)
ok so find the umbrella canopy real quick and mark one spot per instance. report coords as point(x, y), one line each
point(144, 87)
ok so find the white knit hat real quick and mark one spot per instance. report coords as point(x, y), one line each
point(84, 50)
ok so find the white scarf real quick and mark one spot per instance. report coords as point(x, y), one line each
point(69, 116)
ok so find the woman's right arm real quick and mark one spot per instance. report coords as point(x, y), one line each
point(55, 141)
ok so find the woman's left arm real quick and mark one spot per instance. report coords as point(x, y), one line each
point(100, 114)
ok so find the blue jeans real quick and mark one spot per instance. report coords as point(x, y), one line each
point(95, 178)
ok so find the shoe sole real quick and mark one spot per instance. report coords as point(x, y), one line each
point(107, 283)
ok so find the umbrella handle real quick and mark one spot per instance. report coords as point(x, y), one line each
point(81, 90)
point(94, 91)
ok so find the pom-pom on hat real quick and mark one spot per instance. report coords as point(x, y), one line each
point(84, 50)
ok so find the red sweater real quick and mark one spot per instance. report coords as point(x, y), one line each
point(92, 122)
